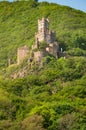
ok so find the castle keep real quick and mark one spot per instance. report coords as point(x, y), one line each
point(45, 43)
point(46, 36)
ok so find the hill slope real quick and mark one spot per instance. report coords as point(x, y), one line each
point(52, 97)
point(18, 24)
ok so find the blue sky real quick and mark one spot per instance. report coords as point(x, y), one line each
point(77, 4)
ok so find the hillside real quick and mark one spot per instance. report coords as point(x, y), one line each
point(18, 24)
point(53, 98)
point(48, 97)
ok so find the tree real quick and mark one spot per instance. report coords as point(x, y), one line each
point(67, 122)
point(34, 122)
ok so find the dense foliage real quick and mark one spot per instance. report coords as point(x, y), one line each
point(53, 96)
point(18, 24)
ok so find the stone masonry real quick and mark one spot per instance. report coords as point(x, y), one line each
point(22, 53)
point(43, 35)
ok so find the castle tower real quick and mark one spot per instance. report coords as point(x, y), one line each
point(44, 34)
point(43, 25)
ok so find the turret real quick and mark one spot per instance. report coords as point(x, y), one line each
point(43, 25)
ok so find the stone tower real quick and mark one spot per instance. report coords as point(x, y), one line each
point(44, 34)
point(43, 25)
point(22, 53)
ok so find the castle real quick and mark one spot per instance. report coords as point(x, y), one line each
point(45, 43)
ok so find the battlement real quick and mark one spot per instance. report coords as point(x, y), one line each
point(43, 20)
point(44, 34)
point(43, 25)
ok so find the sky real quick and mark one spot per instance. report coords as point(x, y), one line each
point(77, 4)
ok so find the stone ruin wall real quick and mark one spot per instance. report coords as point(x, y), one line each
point(53, 49)
point(22, 53)
point(39, 55)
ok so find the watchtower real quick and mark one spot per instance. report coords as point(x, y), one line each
point(43, 26)
point(44, 34)
point(43, 30)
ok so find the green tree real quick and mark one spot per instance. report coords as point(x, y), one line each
point(34, 122)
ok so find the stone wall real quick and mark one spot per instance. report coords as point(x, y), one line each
point(53, 49)
point(39, 55)
point(22, 53)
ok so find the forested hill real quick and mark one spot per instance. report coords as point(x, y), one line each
point(18, 24)
point(50, 97)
